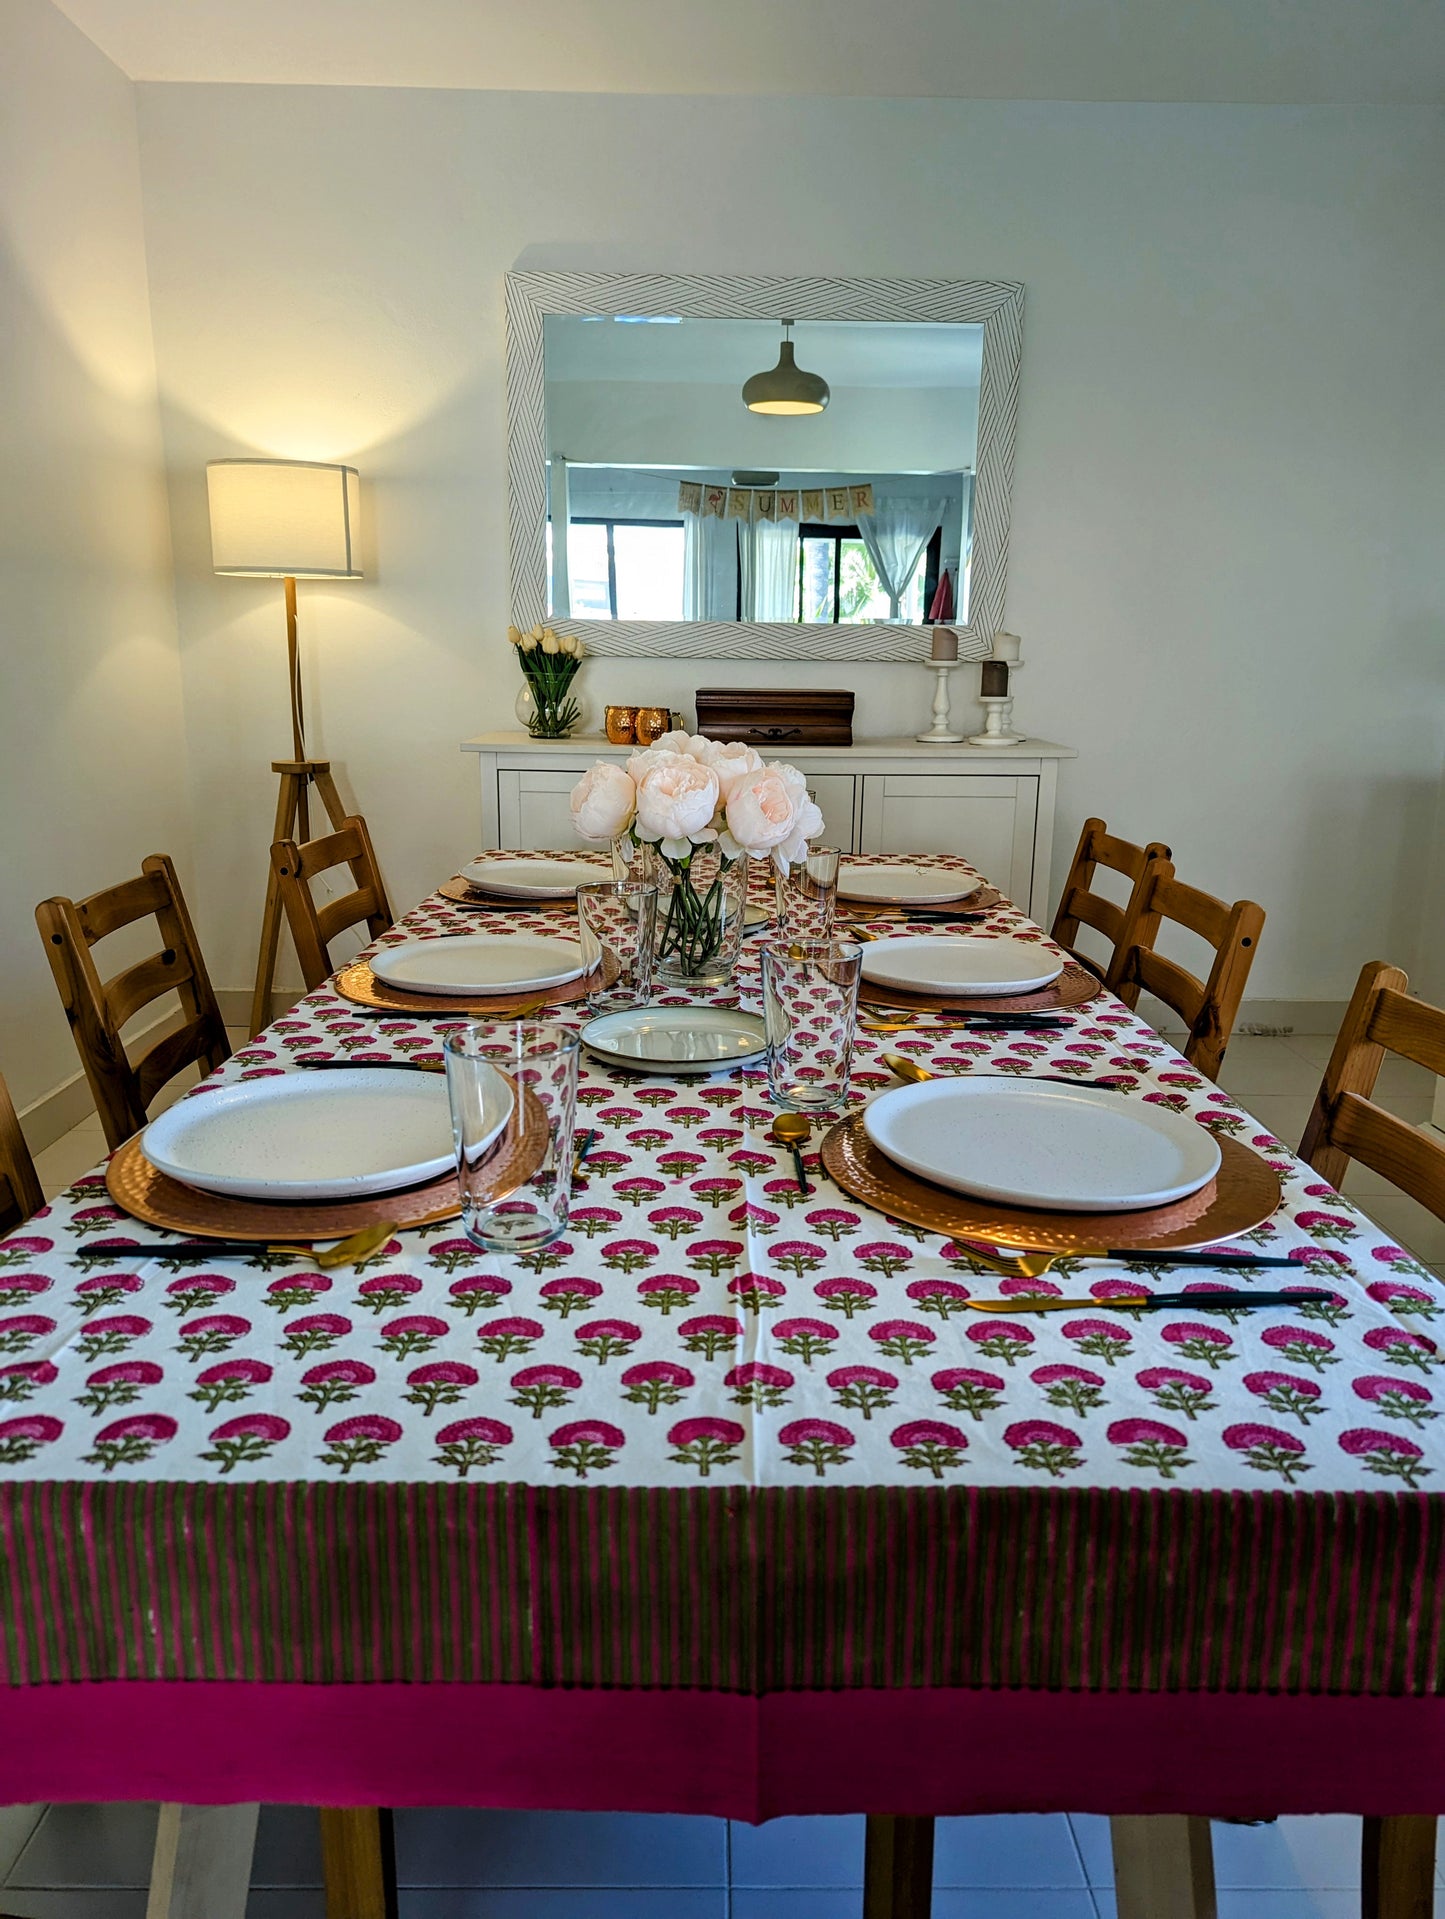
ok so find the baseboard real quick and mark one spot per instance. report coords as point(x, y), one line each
point(1270, 1017)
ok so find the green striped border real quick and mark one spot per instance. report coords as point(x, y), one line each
point(747, 1591)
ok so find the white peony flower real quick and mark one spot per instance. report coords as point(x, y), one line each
point(604, 801)
point(732, 761)
point(807, 823)
point(676, 800)
point(761, 811)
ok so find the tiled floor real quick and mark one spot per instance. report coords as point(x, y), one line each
point(92, 1862)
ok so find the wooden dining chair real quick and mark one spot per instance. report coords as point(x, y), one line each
point(314, 927)
point(20, 1193)
point(98, 1009)
point(1207, 1007)
point(1080, 905)
point(1398, 1864)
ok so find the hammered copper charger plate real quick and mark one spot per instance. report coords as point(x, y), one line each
point(1243, 1193)
point(462, 893)
point(1073, 987)
point(145, 1193)
point(983, 900)
point(361, 986)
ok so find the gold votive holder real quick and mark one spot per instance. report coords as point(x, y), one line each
point(621, 725)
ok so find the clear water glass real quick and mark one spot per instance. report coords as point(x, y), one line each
point(618, 917)
point(487, 1121)
point(807, 896)
point(810, 1009)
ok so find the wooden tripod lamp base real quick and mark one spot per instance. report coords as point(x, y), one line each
point(293, 821)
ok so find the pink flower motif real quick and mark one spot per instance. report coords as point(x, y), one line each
point(1399, 1298)
point(757, 1384)
point(725, 1432)
point(902, 1339)
point(316, 1331)
point(211, 1334)
point(1027, 1289)
point(587, 1432)
point(1105, 1329)
point(562, 1376)
point(504, 1337)
point(412, 1333)
point(1363, 1439)
point(656, 1382)
point(265, 1427)
point(1246, 1436)
point(1387, 1255)
point(1144, 1432)
point(355, 1372)
point(1010, 1328)
point(1404, 1349)
point(1403, 1398)
point(1052, 1375)
point(155, 1427)
point(493, 1432)
point(941, 1296)
point(374, 1426)
point(846, 1296)
point(927, 1432)
point(1039, 1432)
point(20, 1438)
point(819, 1443)
point(292, 1289)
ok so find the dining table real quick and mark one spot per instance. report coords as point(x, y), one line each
point(725, 1501)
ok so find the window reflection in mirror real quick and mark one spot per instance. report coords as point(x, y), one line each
point(668, 499)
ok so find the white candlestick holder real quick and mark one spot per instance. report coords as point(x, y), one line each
point(998, 708)
point(940, 733)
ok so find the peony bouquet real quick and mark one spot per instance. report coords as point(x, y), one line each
point(549, 660)
point(703, 808)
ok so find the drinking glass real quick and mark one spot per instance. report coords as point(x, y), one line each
point(487, 1120)
point(618, 917)
point(810, 1008)
point(807, 895)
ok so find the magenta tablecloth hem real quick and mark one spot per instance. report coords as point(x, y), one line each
point(917, 1751)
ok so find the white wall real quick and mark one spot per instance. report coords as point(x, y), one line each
point(1220, 563)
point(91, 737)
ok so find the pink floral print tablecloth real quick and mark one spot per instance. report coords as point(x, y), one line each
point(721, 1433)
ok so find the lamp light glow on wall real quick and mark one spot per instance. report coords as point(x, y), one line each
point(786, 387)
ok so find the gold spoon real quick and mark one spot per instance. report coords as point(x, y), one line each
point(346, 1252)
point(794, 1130)
point(862, 933)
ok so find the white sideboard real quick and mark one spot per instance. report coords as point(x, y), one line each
point(993, 805)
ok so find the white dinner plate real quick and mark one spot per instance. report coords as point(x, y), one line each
point(676, 1039)
point(309, 1135)
point(532, 879)
point(952, 963)
point(1074, 1148)
point(468, 963)
point(903, 885)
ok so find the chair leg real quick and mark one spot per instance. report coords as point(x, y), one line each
point(358, 1862)
point(202, 1863)
point(898, 1868)
point(1397, 1878)
point(1163, 1867)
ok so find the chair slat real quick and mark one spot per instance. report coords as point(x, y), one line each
point(20, 1193)
point(1172, 983)
point(1080, 906)
point(1391, 1147)
point(97, 1010)
point(1410, 1027)
point(312, 927)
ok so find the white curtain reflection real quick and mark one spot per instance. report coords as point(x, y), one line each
point(896, 535)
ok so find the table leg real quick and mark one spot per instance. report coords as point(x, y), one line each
point(202, 1863)
point(358, 1862)
point(1398, 1867)
point(897, 1868)
point(1163, 1867)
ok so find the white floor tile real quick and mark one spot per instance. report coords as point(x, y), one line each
point(798, 1852)
point(1018, 1850)
point(446, 1846)
point(1409, 1224)
point(988, 1903)
point(89, 1846)
point(68, 1157)
point(1291, 1855)
point(1283, 1114)
point(17, 1827)
point(1267, 1066)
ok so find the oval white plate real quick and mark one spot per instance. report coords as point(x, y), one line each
point(532, 879)
point(903, 885)
point(951, 963)
point(467, 963)
point(309, 1135)
point(1075, 1148)
point(676, 1039)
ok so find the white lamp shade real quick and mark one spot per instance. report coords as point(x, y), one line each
point(275, 518)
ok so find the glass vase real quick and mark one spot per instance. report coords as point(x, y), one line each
point(701, 903)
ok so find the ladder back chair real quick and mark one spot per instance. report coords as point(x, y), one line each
point(20, 1193)
point(314, 927)
point(1081, 906)
point(98, 1009)
point(1207, 1007)
point(1398, 1859)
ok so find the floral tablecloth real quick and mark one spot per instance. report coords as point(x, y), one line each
point(721, 1435)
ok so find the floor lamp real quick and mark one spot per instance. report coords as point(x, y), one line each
point(286, 520)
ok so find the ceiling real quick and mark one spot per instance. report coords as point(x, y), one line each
point(725, 352)
point(1386, 52)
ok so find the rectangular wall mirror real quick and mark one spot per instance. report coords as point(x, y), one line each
point(690, 476)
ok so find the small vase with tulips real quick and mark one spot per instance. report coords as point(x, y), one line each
point(549, 661)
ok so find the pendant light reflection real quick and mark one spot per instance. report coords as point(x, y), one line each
point(786, 388)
